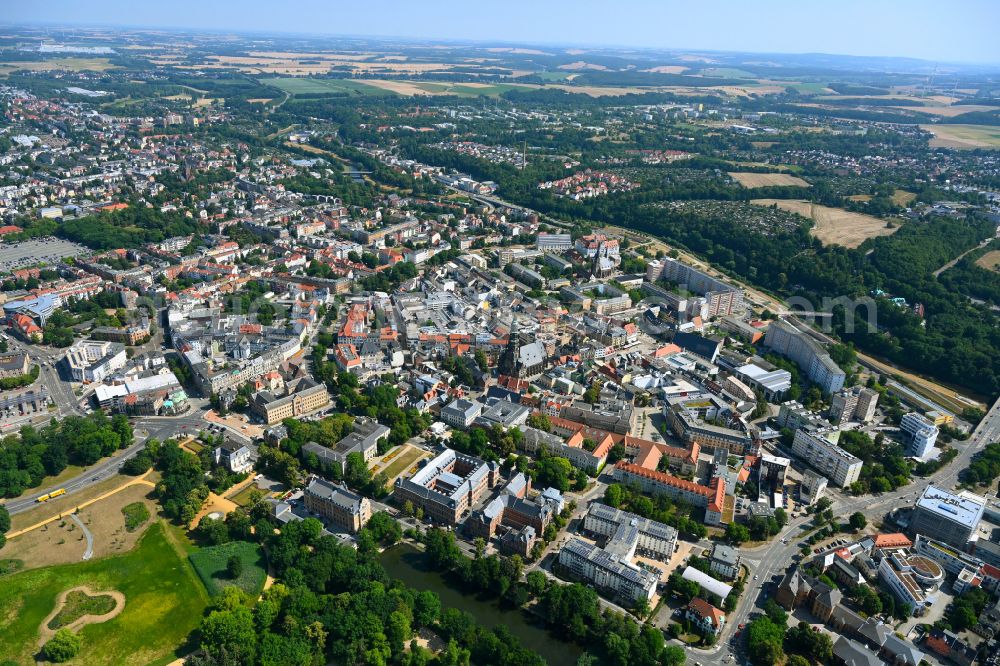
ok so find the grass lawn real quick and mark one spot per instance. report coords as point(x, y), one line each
point(163, 603)
point(210, 563)
point(243, 497)
point(300, 86)
point(403, 462)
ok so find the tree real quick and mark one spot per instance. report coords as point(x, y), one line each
point(858, 521)
point(764, 641)
point(234, 566)
point(614, 495)
point(737, 534)
point(810, 643)
point(62, 647)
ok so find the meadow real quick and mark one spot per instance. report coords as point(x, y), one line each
point(164, 602)
point(210, 564)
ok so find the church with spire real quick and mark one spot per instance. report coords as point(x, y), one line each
point(521, 361)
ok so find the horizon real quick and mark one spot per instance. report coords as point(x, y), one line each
point(916, 35)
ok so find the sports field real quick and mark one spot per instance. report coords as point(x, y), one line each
point(164, 601)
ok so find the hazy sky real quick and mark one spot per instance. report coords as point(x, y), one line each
point(943, 30)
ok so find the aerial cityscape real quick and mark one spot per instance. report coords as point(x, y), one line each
point(387, 336)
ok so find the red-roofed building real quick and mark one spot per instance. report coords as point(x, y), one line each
point(894, 540)
point(706, 617)
point(712, 497)
point(26, 327)
point(10, 229)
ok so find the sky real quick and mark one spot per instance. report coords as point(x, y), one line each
point(938, 30)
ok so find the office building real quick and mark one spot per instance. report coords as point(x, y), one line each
point(818, 448)
point(91, 361)
point(341, 507)
point(919, 434)
point(448, 485)
point(943, 516)
point(461, 413)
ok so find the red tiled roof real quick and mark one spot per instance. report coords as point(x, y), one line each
point(893, 540)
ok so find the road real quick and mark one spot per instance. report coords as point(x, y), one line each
point(145, 428)
point(775, 558)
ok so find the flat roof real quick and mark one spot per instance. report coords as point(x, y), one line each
point(965, 509)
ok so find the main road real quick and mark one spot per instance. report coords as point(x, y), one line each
point(145, 428)
point(777, 557)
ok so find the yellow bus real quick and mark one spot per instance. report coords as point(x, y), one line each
point(52, 495)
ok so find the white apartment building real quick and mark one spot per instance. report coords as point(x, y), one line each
point(92, 361)
point(822, 454)
point(609, 570)
point(655, 538)
point(920, 434)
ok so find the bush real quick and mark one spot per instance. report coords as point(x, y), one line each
point(62, 647)
point(136, 515)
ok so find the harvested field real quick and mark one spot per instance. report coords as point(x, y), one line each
point(990, 261)
point(668, 69)
point(580, 64)
point(963, 136)
point(948, 111)
point(752, 180)
point(68, 64)
point(833, 226)
point(902, 197)
point(860, 197)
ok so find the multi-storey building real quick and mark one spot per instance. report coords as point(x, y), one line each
point(721, 299)
point(947, 517)
point(14, 364)
point(92, 361)
point(340, 506)
point(711, 497)
point(655, 539)
point(819, 449)
point(853, 404)
point(447, 485)
point(789, 341)
point(919, 433)
point(306, 397)
point(610, 569)
point(554, 242)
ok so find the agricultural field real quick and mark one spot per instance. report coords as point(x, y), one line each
point(210, 565)
point(163, 602)
point(990, 261)
point(833, 226)
point(754, 180)
point(963, 136)
point(53, 64)
point(304, 86)
point(902, 197)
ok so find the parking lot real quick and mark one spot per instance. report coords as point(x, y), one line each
point(47, 250)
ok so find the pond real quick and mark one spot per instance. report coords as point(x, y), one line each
point(408, 564)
